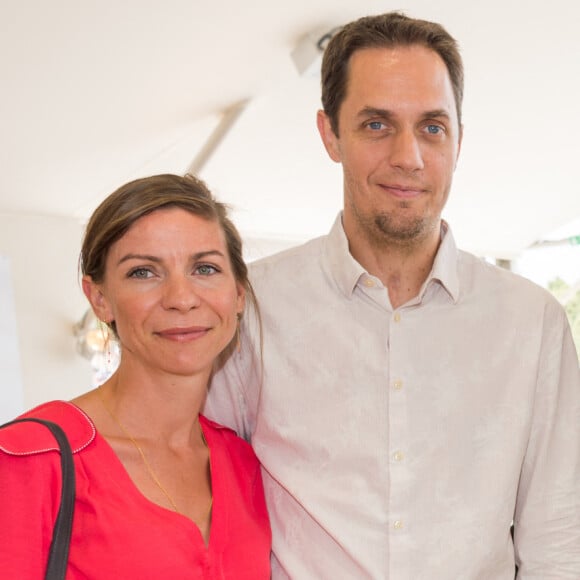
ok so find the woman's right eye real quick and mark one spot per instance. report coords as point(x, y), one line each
point(140, 273)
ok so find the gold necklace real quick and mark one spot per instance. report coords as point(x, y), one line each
point(150, 470)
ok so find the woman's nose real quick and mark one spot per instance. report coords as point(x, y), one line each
point(181, 293)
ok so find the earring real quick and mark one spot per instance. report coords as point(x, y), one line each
point(106, 335)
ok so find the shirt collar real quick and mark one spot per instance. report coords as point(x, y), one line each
point(444, 270)
point(347, 272)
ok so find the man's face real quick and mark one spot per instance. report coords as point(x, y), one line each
point(398, 143)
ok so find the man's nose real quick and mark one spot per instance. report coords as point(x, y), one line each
point(406, 151)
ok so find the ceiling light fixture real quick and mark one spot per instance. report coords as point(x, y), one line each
point(307, 54)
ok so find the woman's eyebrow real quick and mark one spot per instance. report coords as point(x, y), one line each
point(156, 259)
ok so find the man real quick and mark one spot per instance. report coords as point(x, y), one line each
point(409, 401)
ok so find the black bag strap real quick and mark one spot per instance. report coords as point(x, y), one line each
point(59, 546)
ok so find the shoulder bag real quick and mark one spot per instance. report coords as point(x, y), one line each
point(59, 547)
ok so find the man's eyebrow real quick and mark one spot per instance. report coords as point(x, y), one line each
point(437, 114)
point(367, 112)
point(156, 259)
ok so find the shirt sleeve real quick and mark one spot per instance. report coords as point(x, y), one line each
point(547, 516)
point(234, 391)
point(30, 492)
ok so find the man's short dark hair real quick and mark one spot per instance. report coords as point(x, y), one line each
point(388, 30)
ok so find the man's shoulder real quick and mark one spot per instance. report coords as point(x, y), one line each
point(292, 261)
point(479, 276)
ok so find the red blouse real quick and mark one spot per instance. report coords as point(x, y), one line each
point(117, 532)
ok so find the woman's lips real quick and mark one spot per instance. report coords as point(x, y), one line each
point(183, 334)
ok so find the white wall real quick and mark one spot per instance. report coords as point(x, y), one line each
point(11, 394)
point(43, 254)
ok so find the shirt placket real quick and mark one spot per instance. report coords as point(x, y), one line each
point(398, 450)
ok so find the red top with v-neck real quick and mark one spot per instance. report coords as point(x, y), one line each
point(117, 532)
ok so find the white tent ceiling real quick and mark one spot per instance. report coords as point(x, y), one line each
point(97, 93)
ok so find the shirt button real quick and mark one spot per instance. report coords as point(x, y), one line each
point(369, 282)
point(398, 385)
point(398, 456)
point(398, 524)
point(397, 317)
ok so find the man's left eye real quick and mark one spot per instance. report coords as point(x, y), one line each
point(434, 129)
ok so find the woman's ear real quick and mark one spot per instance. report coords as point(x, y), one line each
point(241, 299)
point(97, 299)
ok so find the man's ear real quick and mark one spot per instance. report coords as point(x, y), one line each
point(328, 137)
point(97, 299)
point(459, 141)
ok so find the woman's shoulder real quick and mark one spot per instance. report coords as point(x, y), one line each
point(221, 436)
point(30, 437)
point(218, 430)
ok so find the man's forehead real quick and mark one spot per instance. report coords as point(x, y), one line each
point(386, 59)
point(411, 76)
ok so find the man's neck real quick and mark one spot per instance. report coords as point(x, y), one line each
point(402, 268)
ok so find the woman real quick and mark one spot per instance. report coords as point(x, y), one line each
point(162, 492)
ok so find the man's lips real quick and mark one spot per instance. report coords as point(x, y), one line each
point(183, 334)
point(402, 191)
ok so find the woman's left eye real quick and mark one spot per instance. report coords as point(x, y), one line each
point(206, 269)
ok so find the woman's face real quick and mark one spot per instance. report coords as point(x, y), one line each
point(170, 289)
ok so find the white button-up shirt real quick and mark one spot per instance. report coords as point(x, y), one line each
point(400, 444)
